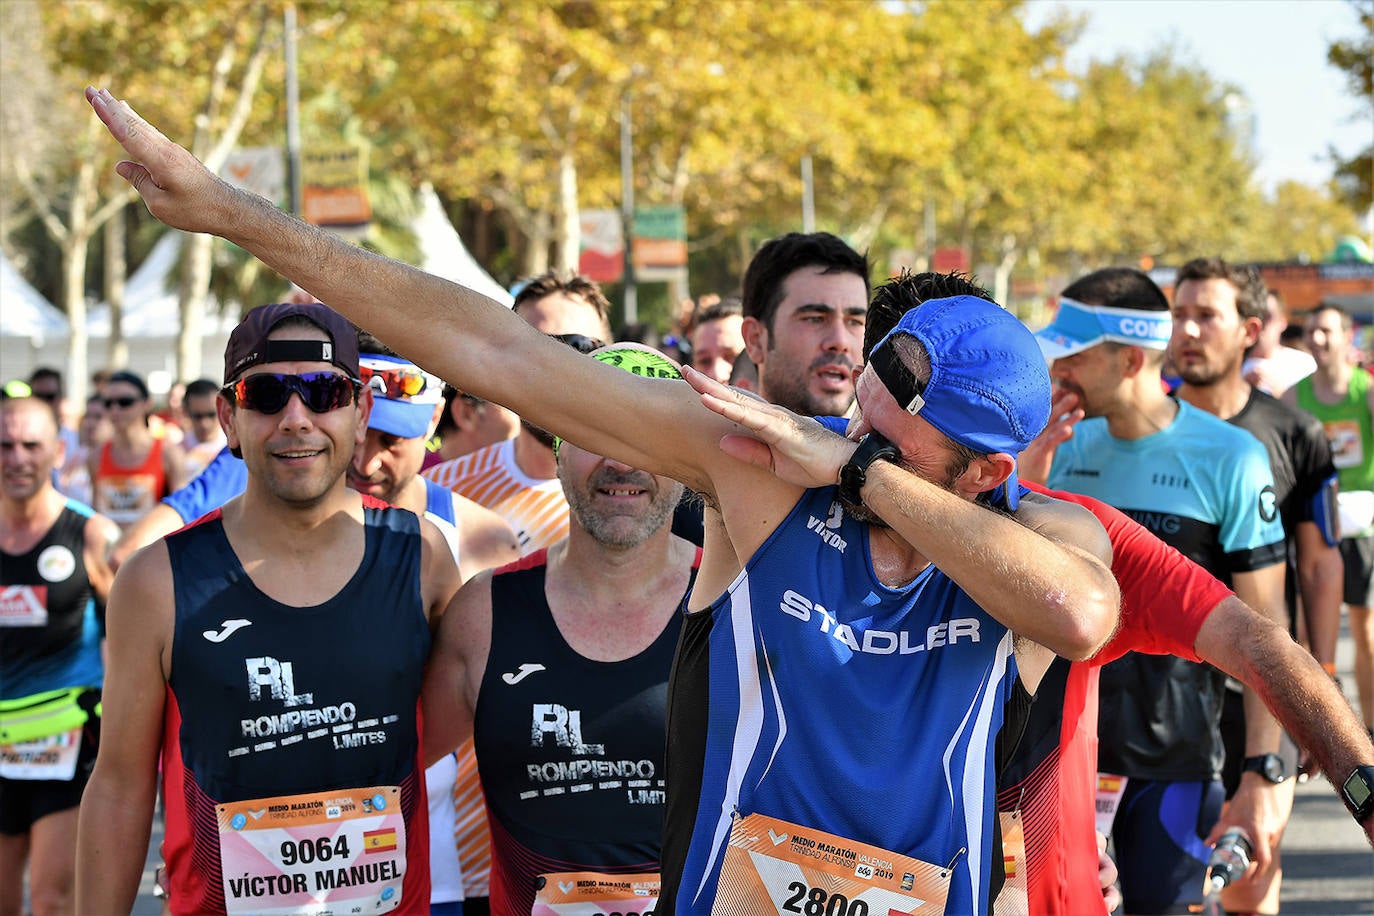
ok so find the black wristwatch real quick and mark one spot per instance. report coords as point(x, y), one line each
point(1358, 792)
point(1270, 766)
point(855, 472)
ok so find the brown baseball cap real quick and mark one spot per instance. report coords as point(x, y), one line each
point(248, 344)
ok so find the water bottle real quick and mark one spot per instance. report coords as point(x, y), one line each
point(1230, 859)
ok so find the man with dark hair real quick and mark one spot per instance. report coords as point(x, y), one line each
point(53, 585)
point(1219, 311)
point(1341, 395)
point(844, 679)
point(203, 438)
point(1202, 486)
point(271, 655)
point(804, 300)
point(717, 339)
point(46, 384)
point(467, 424)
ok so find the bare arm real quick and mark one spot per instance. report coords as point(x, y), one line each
point(1262, 590)
point(1052, 592)
point(160, 521)
point(100, 537)
point(440, 578)
point(1320, 582)
point(1310, 706)
point(453, 675)
point(117, 807)
point(486, 538)
point(174, 465)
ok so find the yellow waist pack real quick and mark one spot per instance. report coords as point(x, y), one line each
point(43, 714)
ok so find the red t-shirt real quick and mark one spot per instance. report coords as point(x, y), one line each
point(1165, 597)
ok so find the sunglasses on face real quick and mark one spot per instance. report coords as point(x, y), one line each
point(579, 342)
point(268, 392)
point(208, 415)
point(112, 403)
point(401, 383)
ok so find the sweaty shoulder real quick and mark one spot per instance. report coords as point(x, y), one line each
point(1065, 522)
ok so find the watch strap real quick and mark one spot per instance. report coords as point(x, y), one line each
point(854, 474)
point(1259, 764)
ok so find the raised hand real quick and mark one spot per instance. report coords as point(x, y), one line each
point(1034, 462)
point(797, 449)
point(177, 188)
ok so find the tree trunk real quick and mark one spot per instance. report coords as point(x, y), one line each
point(1001, 276)
point(116, 265)
point(568, 233)
point(195, 280)
point(213, 151)
point(74, 304)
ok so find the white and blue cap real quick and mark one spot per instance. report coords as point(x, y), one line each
point(989, 387)
point(403, 395)
point(1078, 326)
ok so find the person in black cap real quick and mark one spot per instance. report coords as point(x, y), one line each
point(272, 654)
point(858, 610)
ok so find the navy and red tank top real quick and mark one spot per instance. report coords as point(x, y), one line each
point(570, 750)
point(281, 715)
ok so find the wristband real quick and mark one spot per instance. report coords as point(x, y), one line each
point(855, 471)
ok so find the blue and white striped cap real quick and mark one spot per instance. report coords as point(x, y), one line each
point(1078, 326)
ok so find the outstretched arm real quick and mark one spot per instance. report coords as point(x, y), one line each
point(1260, 654)
point(450, 330)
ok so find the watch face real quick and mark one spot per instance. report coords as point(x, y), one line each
point(1273, 768)
point(1357, 790)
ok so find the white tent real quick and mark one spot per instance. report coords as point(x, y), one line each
point(151, 299)
point(23, 310)
point(33, 332)
point(152, 319)
point(443, 252)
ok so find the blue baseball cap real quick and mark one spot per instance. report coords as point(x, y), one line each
point(1078, 326)
point(403, 395)
point(989, 387)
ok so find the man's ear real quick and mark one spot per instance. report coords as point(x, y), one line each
point(984, 474)
point(755, 339)
point(1252, 327)
point(1135, 361)
point(364, 414)
point(225, 410)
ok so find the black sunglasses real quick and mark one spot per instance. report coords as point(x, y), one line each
point(205, 415)
point(579, 342)
point(268, 392)
point(112, 403)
